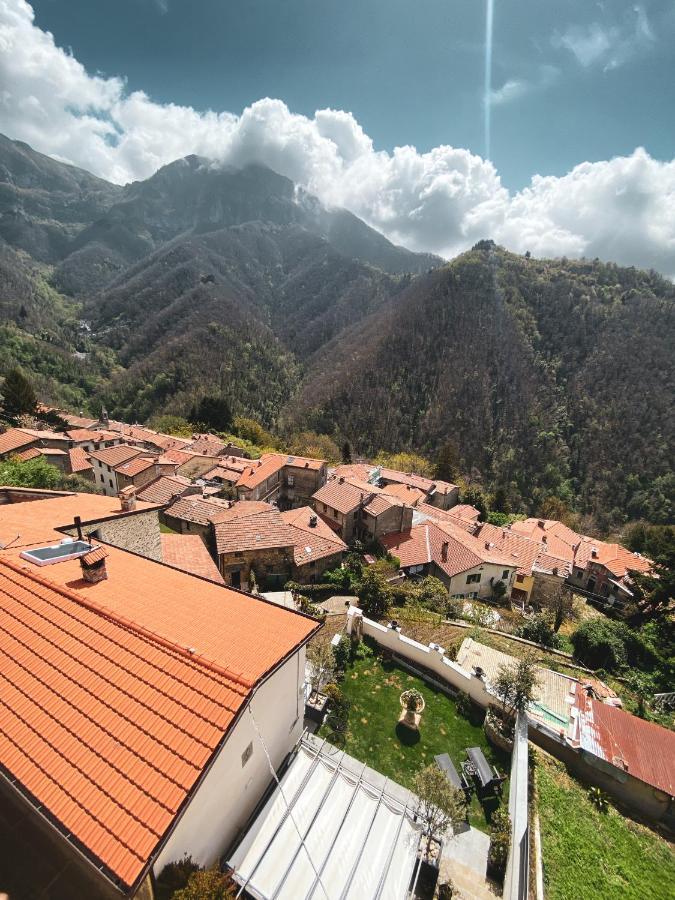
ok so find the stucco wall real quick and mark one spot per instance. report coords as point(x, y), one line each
point(487, 571)
point(230, 791)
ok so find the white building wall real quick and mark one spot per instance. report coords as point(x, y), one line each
point(482, 588)
point(230, 791)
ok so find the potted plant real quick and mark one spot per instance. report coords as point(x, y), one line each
point(412, 703)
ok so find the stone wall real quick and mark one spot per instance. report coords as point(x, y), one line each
point(264, 563)
point(138, 532)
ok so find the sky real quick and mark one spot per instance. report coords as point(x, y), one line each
point(377, 105)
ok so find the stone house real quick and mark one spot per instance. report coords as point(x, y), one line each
point(254, 542)
point(141, 471)
point(290, 481)
point(356, 509)
point(104, 463)
point(316, 549)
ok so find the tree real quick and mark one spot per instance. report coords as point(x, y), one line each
point(170, 424)
point(559, 602)
point(474, 496)
point(38, 473)
point(515, 685)
point(346, 453)
point(441, 805)
point(498, 590)
point(447, 463)
point(212, 413)
point(658, 586)
point(207, 884)
point(597, 645)
point(538, 629)
point(374, 593)
point(18, 395)
point(316, 446)
point(321, 659)
point(432, 594)
point(405, 462)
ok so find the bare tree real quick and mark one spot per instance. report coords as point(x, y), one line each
point(515, 685)
point(321, 659)
point(559, 602)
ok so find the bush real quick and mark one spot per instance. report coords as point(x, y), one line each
point(342, 652)
point(207, 884)
point(500, 839)
point(599, 799)
point(174, 876)
point(539, 630)
point(464, 705)
point(603, 643)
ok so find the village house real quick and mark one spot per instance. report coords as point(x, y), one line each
point(52, 455)
point(130, 722)
point(79, 464)
point(254, 546)
point(89, 439)
point(193, 513)
point(166, 489)
point(15, 440)
point(104, 463)
point(467, 566)
point(441, 494)
point(142, 470)
point(316, 548)
point(290, 481)
point(358, 510)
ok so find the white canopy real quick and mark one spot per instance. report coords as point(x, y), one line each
point(359, 841)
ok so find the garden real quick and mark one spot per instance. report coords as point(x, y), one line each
point(371, 689)
point(592, 851)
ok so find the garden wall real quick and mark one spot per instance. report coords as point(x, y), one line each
point(425, 656)
point(517, 865)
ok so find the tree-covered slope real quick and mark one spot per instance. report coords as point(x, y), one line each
point(554, 378)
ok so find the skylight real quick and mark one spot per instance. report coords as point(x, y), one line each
point(56, 553)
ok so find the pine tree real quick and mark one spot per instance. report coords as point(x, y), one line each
point(18, 395)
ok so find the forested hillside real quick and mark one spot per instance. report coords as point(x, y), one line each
point(553, 378)
point(548, 380)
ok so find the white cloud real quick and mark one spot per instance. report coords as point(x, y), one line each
point(515, 88)
point(612, 43)
point(441, 201)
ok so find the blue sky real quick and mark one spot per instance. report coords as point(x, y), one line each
point(584, 80)
point(375, 106)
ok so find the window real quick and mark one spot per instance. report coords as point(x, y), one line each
point(102, 479)
point(291, 480)
point(356, 515)
point(473, 579)
point(505, 575)
point(520, 579)
point(247, 754)
point(111, 484)
point(325, 508)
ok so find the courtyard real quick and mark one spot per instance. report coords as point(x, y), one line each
point(372, 686)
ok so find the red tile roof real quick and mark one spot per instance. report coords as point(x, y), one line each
point(418, 481)
point(15, 439)
point(207, 445)
point(178, 456)
point(408, 494)
point(189, 553)
point(29, 453)
point(80, 435)
point(135, 466)
point(79, 460)
point(77, 421)
point(259, 531)
point(95, 555)
point(427, 511)
point(114, 456)
point(260, 470)
point(195, 508)
point(465, 511)
point(340, 494)
point(522, 551)
point(163, 489)
point(311, 542)
point(105, 727)
point(643, 749)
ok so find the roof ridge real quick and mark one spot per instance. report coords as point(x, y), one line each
point(134, 627)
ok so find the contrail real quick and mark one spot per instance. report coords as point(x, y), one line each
point(487, 99)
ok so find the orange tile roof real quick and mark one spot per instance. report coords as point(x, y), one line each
point(189, 553)
point(36, 520)
point(163, 489)
point(77, 421)
point(311, 542)
point(79, 460)
point(95, 555)
point(614, 557)
point(113, 456)
point(135, 466)
point(29, 453)
point(259, 531)
point(360, 471)
point(105, 727)
point(207, 446)
point(425, 511)
point(559, 539)
point(91, 434)
point(465, 511)
point(14, 439)
point(523, 551)
point(380, 503)
point(418, 481)
point(178, 456)
point(408, 494)
point(260, 470)
point(304, 462)
point(339, 493)
point(197, 509)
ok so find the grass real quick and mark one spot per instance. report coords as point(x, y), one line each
point(373, 688)
point(591, 854)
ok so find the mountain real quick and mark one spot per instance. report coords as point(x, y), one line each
point(552, 377)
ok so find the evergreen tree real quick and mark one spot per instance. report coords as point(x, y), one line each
point(212, 413)
point(18, 395)
point(447, 464)
point(346, 453)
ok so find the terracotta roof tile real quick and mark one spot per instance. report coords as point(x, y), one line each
point(259, 531)
point(29, 453)
point(114, 456)
point(312, 542)
point(260, 470)
point(339, 493)
point(163, 489)
point(80, 435)
point(14, 439)
point(197, 509)
point(135, 466)
point(189, 553)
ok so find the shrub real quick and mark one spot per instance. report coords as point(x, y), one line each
point(599, 799)
point(500, 839)
point(463, 704)
point(412, 699)
point(174, 876)
point(207, 884)
point(342, 652)
point(603, 643)
point(539, 630)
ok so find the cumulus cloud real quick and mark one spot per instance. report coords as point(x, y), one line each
point(440, 201)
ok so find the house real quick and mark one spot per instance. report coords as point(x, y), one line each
point(287, 480)
point(14, 441)
point(193, 514)
point(441, 494)
point(80, 464)
point(461, 516)
point(52, 455)
point(469, 567)
point(166, 488)
point(254, 542)
point(104, 463)
point(130, 723)
point(316, 548)
point(93, 438)
point(142, 470)
point(630, 758)
point(356, 509)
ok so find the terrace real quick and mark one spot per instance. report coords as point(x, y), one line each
point(372, 685)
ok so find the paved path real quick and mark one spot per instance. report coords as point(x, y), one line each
point(464, 862)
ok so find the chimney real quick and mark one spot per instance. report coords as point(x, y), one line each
point(544, 539)
point(312, 520)
point(541, 523)
point(93, 565)
point(78, 525)
point(127, 498)
point(444, 551)
point(342, 481)
point(594, 552)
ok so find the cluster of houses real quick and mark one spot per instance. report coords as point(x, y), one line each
point(282, 517)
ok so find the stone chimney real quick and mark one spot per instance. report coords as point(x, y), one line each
point(93, 565)
point(127, 498)
point(312, 520)
point(444, 551)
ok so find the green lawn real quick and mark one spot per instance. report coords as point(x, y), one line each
point(596, 855)
point(373, 688)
